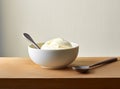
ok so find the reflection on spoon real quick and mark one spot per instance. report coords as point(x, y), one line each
point(26, 35)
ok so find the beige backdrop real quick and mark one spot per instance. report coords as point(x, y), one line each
point(93, 24)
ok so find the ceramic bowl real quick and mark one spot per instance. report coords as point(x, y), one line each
point(53, 59)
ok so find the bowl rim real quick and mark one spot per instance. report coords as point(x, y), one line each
point(75, 45)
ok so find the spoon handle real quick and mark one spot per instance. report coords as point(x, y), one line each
point(31, 40)
point(105, 62)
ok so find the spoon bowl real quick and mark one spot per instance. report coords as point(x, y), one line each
point(82, 69)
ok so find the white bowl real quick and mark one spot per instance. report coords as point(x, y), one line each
point(53, 58)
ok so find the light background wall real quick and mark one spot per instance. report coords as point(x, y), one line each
point(93, 24)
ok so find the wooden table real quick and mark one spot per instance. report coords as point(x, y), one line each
point(22, 73)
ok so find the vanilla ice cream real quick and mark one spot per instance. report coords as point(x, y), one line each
point(57, 43)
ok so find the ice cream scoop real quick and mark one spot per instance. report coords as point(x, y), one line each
point(57, 43)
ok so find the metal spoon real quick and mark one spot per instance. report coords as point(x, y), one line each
point(85, 69)
point(26, 35)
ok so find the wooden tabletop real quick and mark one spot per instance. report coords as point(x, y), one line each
point(22, 71)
